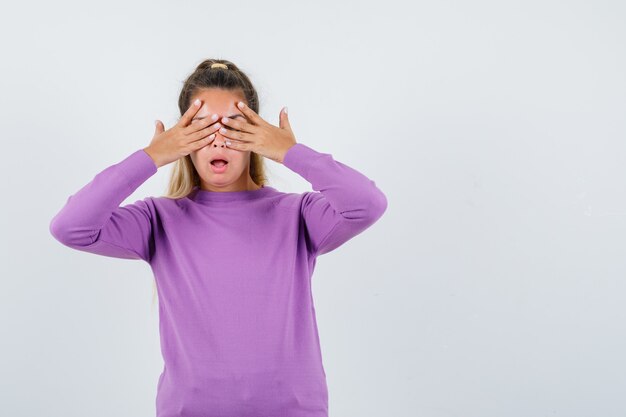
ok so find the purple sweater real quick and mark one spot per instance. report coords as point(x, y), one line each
point(233, 272)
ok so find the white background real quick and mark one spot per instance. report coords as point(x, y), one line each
point(494, 285)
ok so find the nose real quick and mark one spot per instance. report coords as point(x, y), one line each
point(219, 140)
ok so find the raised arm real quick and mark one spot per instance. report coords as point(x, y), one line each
point(93, 221)
point(344, 204)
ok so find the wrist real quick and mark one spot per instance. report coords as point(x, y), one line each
point(284, 154)
point(153, 155)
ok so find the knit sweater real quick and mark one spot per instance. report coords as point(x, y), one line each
point(233, 271)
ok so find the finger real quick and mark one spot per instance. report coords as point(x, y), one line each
point(284, 119)
point(241, 125)
point(237, 145)
point(158, 127)
point(201, 123)
point(249, 113)
point(185, 120)
point(234, 134)
point(208, 130)
point(201, 143)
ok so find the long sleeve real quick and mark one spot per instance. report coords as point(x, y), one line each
point(93, 221)
point(345, 201)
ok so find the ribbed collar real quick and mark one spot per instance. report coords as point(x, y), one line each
point(199, 195)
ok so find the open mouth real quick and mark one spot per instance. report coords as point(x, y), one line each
point(219, 163)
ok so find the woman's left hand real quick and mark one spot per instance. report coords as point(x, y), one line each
point(256, 135)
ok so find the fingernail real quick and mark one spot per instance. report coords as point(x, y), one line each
point(241, 105)
point(215, 116)
point(285, 109)
point(197, 102)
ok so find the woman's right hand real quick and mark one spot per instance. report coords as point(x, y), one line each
point(183, 138)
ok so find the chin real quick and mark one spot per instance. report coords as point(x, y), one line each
point(221, 179)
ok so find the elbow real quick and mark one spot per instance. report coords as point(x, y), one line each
point(69, 235)
point(370, 209)
point(378, 205)
point(57, 230)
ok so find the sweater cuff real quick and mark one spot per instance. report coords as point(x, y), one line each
point(137, 168)
point(299, 158)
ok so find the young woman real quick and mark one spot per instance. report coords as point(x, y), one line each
point(232, 257)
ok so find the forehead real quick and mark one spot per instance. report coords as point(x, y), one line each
point(222, 102)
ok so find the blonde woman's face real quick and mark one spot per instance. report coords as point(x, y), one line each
point(235, 176)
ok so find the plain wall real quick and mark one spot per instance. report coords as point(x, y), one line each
point(494, 285)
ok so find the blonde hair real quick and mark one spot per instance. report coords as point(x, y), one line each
point(184, 177)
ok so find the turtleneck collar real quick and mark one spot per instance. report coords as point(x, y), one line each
point(200, 195)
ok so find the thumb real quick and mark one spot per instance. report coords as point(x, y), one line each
point(159, 128)
point(284, 119)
